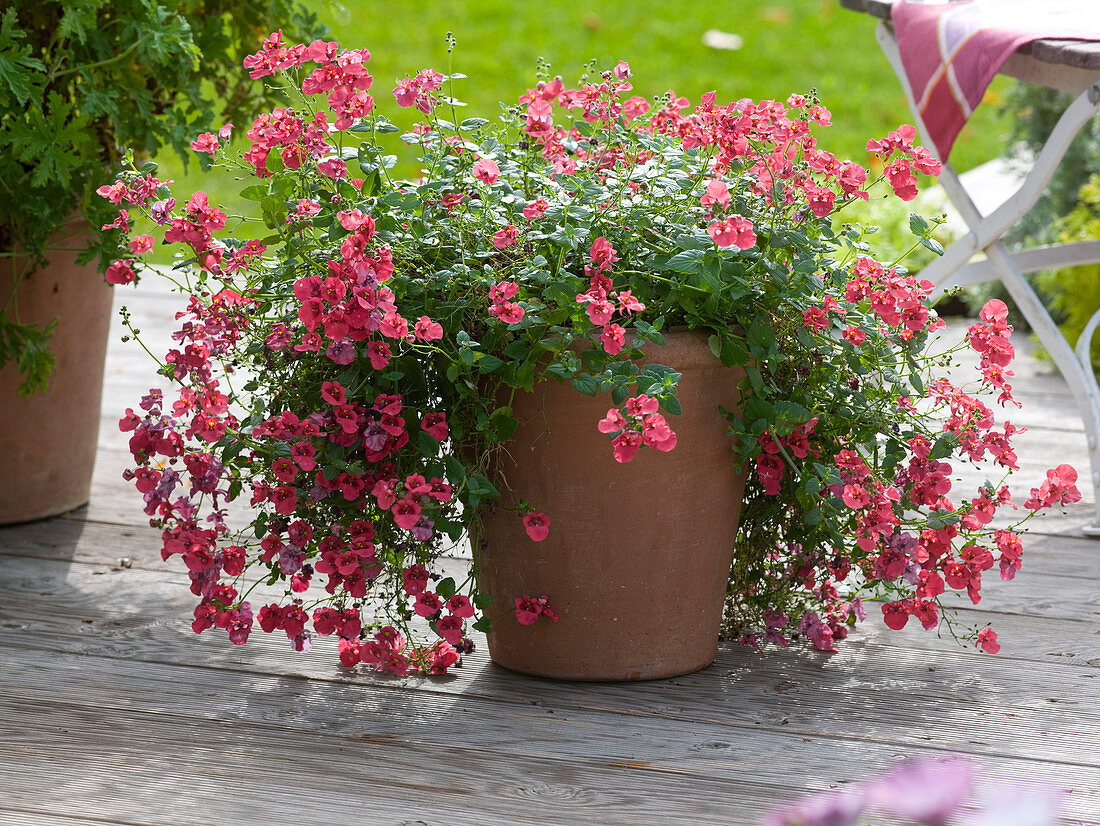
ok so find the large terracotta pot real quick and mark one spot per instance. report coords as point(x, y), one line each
point(639, 554)
point(48, 441)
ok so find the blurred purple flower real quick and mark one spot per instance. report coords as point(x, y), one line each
point(1014, 805)
point(826, 809)
point(927, 791)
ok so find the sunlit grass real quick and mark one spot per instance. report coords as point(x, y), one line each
point(786, 46)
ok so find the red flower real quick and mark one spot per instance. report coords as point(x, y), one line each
point(537, 525)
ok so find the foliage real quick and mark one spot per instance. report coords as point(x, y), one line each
point(888, 221)
point(78, 80)
point(1036, 110)
point(349, 374)
point(1074, 293)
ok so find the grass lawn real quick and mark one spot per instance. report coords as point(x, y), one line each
point(786, 46)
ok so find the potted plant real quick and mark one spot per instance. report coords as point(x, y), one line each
point(79, 81)
point(389, 366)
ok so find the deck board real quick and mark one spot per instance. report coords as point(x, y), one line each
point(113, 711)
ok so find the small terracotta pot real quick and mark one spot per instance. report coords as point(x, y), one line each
point(639, 554)
point(48, 441)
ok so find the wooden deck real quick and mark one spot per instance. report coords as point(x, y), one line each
point(113, 711)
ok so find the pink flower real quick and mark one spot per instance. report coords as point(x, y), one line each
point(487, 171)
point(994, 312)
point(206, 142)
point(600, 311)
point(629, 304)
point(987, 641)
point(656, 433)
point(333, 392)
point(427, 604)
point(854, 335)
point(333, 168)
point(537, 526)
point(405, 513)
point(120, 272)
point(769, 470)
point(601, 254)
point(535, 209)
point(141, 245)
point(927, 791)
point(612, 422)
point(613, 338)
point(1057, 489)
point(414, 581)
point(443, 656)
point(508, 312)
point(733, 231)
point(460, 606)
point(354, 219)
point(405, 92)
point(717, 193)
point(528, 609)
point(625, 445)
point(427, 330)
point(285, 499)
point(503, 291)
point(855, 497)
point(450, 628)
point(506, 237)
point(378, 352)
point(303, 453)
point(895, 615)
point(435, 425)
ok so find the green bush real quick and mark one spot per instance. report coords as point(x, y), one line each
point(1074, 293)
point(80, 79)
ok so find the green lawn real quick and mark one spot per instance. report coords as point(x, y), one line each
point(787, 46)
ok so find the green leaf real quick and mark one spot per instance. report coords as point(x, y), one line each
point(918, 224)
point(482, 601)
point(484, 625)
point(504, 424)
point(489, 364)
point(256, 192)
point(586, 384)
point(18, 69)
point(687, 262)
point(445, 588)
point(933, 245)
point(274, 164)
point(715, 345)
point(456, 471)
point(790, 413)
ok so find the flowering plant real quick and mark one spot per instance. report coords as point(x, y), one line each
point(349, 373)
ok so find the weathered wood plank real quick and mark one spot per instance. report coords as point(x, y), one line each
point(662, 766)
point(64, 817)
point(871, 691)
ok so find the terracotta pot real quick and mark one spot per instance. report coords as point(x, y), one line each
point(48, 441)
point(639, 554)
